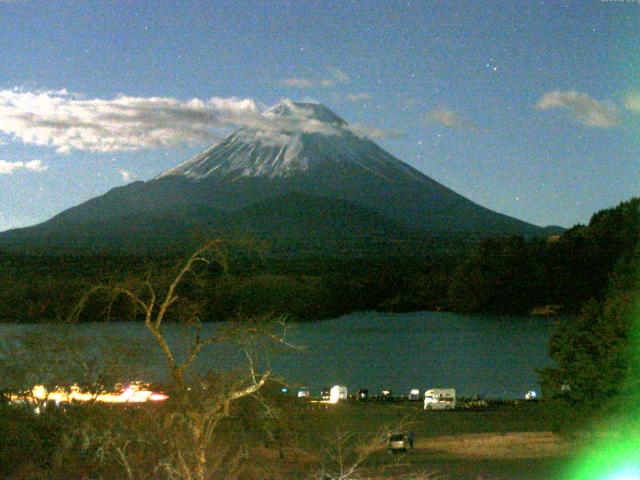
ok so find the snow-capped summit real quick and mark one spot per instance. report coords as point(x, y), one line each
point(309, 110)
point(295, 137)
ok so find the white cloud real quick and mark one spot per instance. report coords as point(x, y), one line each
point(126, 175)
point(583, 108)
point(632, 102)
point(8, 168)
point(336, 76)
point(302, 114)
point(35, 166)
point(358, 97)
point(70, 122)
point(448, 118)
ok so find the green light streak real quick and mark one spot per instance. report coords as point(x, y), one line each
point(615, 455)
point(609, 460)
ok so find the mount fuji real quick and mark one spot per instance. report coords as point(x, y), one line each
point(300, 176)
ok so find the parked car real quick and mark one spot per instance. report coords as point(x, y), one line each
point(303, 392)
point(414, 395)
point(325, 394)
point(386, 395)
point(477, 403)
point(362, 394)
point(399, 442)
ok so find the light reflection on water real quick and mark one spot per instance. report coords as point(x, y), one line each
point(495, 356)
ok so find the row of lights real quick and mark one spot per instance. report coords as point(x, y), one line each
point(135, 392)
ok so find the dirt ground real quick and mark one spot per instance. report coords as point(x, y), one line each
point(512, 445)
point(478, 456)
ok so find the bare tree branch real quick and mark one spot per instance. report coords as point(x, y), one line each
point(199, 412)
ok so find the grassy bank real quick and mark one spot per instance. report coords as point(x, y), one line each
point(501, 442)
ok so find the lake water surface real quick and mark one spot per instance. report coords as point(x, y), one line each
point(494, 356)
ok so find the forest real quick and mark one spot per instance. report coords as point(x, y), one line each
point(509, 275)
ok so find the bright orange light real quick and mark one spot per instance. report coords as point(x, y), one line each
point(136, 392)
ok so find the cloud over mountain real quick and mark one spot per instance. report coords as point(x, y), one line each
point(69, 121)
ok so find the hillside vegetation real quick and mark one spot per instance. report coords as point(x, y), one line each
point(509, 275)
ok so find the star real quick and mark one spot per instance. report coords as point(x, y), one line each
point(490, 65)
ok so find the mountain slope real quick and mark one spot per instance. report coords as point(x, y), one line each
point(288, 175)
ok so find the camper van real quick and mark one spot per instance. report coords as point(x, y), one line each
point(440, 399)
point(338, 392)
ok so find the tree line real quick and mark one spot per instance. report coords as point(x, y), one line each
point(43, 289)
point(509, 275)
point(594, 382)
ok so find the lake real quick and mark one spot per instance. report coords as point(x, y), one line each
point(492, 355)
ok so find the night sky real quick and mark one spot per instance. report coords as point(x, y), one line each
point(528, 108)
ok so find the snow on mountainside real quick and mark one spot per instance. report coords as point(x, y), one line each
point(286, 149)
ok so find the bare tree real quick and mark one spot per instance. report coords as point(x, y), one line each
point(200, 404)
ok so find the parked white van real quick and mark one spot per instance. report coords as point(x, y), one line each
point(338, 392)
point(440, 399)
